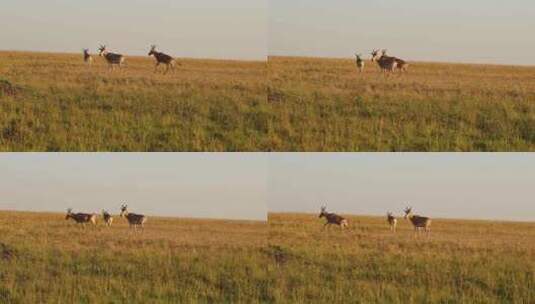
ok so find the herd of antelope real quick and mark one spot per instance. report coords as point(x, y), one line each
point(420, 223)
point(134, 220)
point(118, 60)
point(387, 64)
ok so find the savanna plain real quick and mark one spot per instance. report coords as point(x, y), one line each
point(321, 104)
point(47, 259)
point(460, 261)
point(55, 102)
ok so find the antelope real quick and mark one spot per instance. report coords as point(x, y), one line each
point(417, 221)
point(332, 218)
point(81, 218)
point(108, 219)
point(392, 221)
point(111, 58)
point(87, 57)
point(401, 64)
point(387, 64)
point(134, 220)
point(162, 58)
point(359, 62)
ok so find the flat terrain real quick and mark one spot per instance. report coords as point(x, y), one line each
point(459, 262)
point(54, 102)
point(325, 105)
point(45, 259)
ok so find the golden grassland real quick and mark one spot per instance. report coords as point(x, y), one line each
point(460, 261)
point(46, 259)
point(325, 105)
point(54, 102)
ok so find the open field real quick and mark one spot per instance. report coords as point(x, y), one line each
point(325, 105)
point(45, 259)
point(461, 261)
point(53, 102)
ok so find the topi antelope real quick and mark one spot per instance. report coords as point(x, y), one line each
point(108, 219)
point(387, 64)
point(134, 220)
point(401, 64)
point(359, 62)
point(332, 218)
point(81, 218)
point(112, 58)
point(392, 221)
point(162, 58)
point(87, 57)
point(417, 221)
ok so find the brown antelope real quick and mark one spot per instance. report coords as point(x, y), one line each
point(134, 220)
point(162, 58)
point(417, 221)
point(88, 59)
point(401, 64)
point(108, 219)
point(332, 218)
point(81, 218)
point(113, 59)
point(387, 64)
point(359, 62)
point(392, 221)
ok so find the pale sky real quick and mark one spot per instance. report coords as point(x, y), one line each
point(452, 185)
point(231, 29)
point(478, 31)
point(204, 185)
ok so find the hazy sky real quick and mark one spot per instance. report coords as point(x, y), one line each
point(207, 185)
point(488, 31)
point(234, 29)
point(465, 185)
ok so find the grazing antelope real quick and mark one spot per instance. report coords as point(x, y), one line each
point(332, 218)
point(359, 62)
point(108, 219)
point(112, 58)
point(392, 221)
point(162, 58)
point(401, 64)
point(88, 59)
point(387, 64)
point(81, 218)
point(417, 221)
point(134, 220)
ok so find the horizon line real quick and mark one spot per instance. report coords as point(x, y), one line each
point(400, 217)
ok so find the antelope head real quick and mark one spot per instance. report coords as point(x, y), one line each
point(375, 55)
point(152, 50)
point(358, 55)
point(86, 51)
point(124, 211)
point(101, 50)
point(69, 212)
point(323, 211)
point(408, 212)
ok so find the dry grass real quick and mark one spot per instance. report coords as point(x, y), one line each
point(51, 102)
point(459, 262)
point(325, 105)
point(45, 259)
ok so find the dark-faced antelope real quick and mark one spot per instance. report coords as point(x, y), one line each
point(134, 220)
point(108, 219)
point(88, 59)
point(332, 218)
point(81, 218)
point(419, 222)
point(387, 64)
point(162, 58)
point(359, 62)
point(392, 221)
point(113, 59)
point(401, 64)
